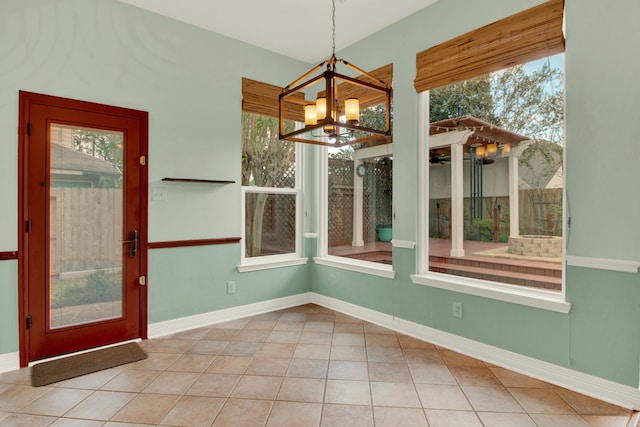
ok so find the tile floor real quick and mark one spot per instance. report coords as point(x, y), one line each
point(304, 366)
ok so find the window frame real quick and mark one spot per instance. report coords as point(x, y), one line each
point(323, 258)
point(280, 260)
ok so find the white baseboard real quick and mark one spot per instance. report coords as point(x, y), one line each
point(609, 391)
point(9, 362)
point(169, 327)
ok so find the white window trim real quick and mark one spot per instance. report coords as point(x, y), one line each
point(538, 298)
point(323, 258)
point(282, 260)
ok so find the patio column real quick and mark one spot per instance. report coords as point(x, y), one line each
point(457, 200)
point(514, 191)
point(358, 200)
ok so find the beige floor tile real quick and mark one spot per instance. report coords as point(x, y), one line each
point(407, 342)
point(541, 401)
point(295, 414)
point(315, 338)
point(257, 387)
point(399, 417)
point(498, 419)
point(586, 405)
point(91, 381)
point(268, 366)
point(241, 349)
point(344, 338)
point(302, 390)
point(18, 396)
point(289, 325)
point(27, 420)
point(385, 354)
point(345, 318)
point(56, 402)
point(294, 316)
point(308, 368)
point(425, 356)
point(173, 346)
point(19, 376)
point(312, 351)
point(289, 337)
point(318, 327)
point(475, 375)
point(243, 412)
point(554, 420)
point(431, 374)
point(172, 383)
point(273, 315)
point(214, 385)
point(391, 372)
point(229, 365)
point(351, 353)
point(208, 347)
point(346, 415)
point(349, 327)
point(348, 370)
point(131, 380)
point(382, 340)
point(253, 335)
point(607, 420)
point(491, 399)
point(370, 328)
point(510, 379)
point(322, 317)
point(194, 411)
point(216, 334)
point(146, 408)
point(192, 363)
point(192, 334)
point(70, 422)
point(101, 405)
point(265, 325)
point(273, 349)
point(439, 396)
point(445, 418)
point(401, 395)
point(348, 392)
point(155, 362)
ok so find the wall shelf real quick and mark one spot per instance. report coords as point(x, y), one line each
point(206, 181)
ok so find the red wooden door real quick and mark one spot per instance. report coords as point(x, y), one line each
point(83, 212)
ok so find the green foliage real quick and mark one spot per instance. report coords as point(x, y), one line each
point(98, 287)
point(471, 97)
point(102, 145)
point(482, 230)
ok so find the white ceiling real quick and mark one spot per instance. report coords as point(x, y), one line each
point(300, 29)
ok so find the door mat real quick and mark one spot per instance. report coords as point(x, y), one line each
point(85, 363)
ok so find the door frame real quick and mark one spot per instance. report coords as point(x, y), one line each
point(26, 99)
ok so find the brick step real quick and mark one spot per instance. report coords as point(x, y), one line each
point(497, 275)
point(554, 270)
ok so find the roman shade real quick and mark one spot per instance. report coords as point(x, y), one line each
point(526, 36)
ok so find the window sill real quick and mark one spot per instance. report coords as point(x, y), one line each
point(264, 264)
point(537, 298)
point(366, 267)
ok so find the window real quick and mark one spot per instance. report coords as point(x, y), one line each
point(271, 204)
point(492, 108)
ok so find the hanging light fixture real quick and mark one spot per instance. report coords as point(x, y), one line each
point(334, 118)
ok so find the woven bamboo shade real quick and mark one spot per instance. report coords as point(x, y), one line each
point(262, 98)
point(526, 36)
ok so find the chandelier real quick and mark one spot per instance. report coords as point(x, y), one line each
point(334, 119)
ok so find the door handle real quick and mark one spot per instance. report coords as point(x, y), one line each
point(133, 243)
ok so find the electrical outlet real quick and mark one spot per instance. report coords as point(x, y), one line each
point(457, 309)
point(231, 287)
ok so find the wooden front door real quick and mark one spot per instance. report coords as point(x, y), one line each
point(83, 207)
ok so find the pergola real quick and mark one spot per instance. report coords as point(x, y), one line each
point(453, 139)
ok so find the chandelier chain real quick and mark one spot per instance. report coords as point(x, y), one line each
point(333, 28)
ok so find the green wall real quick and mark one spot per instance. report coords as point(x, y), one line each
point(189, 81)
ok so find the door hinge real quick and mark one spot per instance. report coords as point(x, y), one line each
point(29, 322)
point(143, 160)
point(28, 128)
point(142, 280)
point(27, 226)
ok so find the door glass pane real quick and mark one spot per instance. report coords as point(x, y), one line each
point(85, 225)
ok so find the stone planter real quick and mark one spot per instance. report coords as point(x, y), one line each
point(535, 246)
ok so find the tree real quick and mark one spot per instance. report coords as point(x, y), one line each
point(266, 162)
point(471, 97)
point(102, 145)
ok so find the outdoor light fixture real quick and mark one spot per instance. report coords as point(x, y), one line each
point(334, 118)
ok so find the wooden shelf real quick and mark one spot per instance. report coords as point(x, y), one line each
point(206, 181)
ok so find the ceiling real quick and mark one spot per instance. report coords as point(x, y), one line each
point(300, 29)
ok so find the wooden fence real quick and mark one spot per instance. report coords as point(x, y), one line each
point(85, 229)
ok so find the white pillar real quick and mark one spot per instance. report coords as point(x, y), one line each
point(358, 200)
point(457, 200)
point(514, 191)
